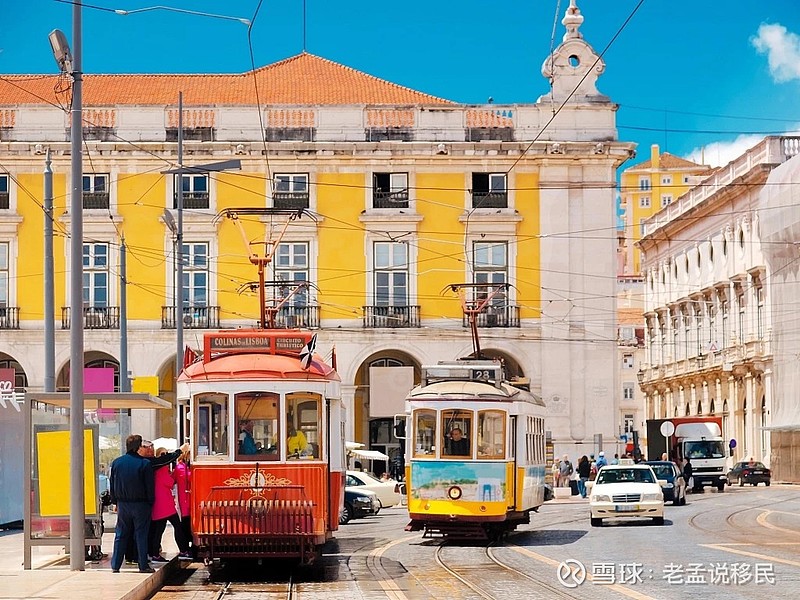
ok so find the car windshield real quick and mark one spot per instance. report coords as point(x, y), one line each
point(705, 449)
point(663, 471)
point(625, 476)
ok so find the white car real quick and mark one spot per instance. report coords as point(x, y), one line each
point(626, 491)
point(388, 491)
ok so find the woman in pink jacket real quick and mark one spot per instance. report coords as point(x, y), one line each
point(164, 510)
point(182, 476)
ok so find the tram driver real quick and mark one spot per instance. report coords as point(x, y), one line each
point(457, 444)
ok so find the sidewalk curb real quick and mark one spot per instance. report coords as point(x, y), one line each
point(154, 582)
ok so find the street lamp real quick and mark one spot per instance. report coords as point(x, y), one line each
point(185, 11)
point(70, 64)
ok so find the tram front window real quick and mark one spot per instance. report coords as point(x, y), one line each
point(212, 418)
point(303, 439)
point(456, 433)
point(258, 435)
point(424, 432)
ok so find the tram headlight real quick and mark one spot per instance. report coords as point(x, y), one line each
point(454, 493)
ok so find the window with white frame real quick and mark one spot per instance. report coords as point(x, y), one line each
point(95, 275)
point(628, 390)
point(666, 200)
point(4, 195)
point(291, 191)
point(291, 265)
point(642, 226)
point(760, 312)
point(644, 202)
point(390, 190)
point(489, 190)
point(628, 424)
point(644, 183)
point(95, 191)
point(391, 273)
point(4, 278)
point(490, 265)
point(666, 180)
point(627, 361)
point(194, 288)
point(195, 191)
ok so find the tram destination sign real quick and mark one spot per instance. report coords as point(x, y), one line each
point(262, 342)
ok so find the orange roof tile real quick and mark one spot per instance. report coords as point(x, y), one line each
point(304, 79)
point(670, 161)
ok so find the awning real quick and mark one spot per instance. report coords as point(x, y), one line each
point(369, 454)
point(122, 401)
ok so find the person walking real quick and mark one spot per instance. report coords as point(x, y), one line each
point(565, 471)
point(182, 475)
point(164, 510)
point(133, 491)
point(584, 471)
point(601, 460)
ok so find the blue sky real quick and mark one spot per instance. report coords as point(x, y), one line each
point(679, 70)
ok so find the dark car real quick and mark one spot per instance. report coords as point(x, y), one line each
point(673, 489)
point(749, 472)
point(358, 504)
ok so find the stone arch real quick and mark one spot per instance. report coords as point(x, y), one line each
point(91, 359)
point(20, 377)
point(688, 410)
point(699, 407)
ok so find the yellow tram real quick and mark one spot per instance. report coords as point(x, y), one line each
point(475, 451)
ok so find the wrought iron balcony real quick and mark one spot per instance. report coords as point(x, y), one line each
point(94, 200)
point(9, 317)
point(289, 317)
point(496, 316)
point(384, 199)
point(94, 317)
point(192, 200)
point(489, 200)
point(194, 317)
point(376, 317)
point(290, 200)
point(4, 201)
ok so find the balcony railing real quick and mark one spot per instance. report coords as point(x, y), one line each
point(194, 317)
point(290, 200)
point(496, 316)
point(489, 200)
point(192, 200)
point(376, 317)
point(93, 200)
point(383, 199)
point(9, 317)
point(4, 202)
point(94, 317)
point(289, 317)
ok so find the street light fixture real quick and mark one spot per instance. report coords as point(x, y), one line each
point(185, 11)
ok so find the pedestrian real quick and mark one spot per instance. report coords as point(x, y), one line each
point(556, 471)
point(565, 471)
point(182, 473)
point(601, 460)
point(133, 491)
point(164, 510)
point(584, 471)
point(688, 476)
point(615, 460)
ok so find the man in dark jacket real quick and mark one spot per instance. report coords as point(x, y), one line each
point(133, 491)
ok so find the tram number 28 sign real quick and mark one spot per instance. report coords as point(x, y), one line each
point(481, 374)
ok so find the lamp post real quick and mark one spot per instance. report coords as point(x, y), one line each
point(71, 64)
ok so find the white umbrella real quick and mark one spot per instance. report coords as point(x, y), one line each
point(167, 443)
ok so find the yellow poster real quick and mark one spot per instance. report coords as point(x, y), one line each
point(148, 385)
point(52, 448)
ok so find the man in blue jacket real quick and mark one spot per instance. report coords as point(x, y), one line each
point(133, 491)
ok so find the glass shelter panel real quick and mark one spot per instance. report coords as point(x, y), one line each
point(258, 423)
point(424, 433)
point(457, 433)
point(212, 425)
point(491, 434)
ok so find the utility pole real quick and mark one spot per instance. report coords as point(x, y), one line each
point(179, 248)
point(49, 302)
point(124, 380)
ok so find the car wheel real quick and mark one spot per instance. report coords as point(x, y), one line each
point(658, 520)
point(721, 487)
point(345, 515)
point(741, 481)
point(596, 522)
point(377, 510)
point(766, 483)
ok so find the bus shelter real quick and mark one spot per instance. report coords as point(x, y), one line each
point(46, 479)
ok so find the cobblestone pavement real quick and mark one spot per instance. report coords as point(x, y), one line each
point(744, 543)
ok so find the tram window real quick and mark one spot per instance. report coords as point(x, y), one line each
point(456, 433)
point(491, 434)
point(212, 419)
point(303, 426)
point(257, 421)
point(424, 432)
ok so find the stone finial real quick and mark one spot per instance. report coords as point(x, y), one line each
point(572, 21)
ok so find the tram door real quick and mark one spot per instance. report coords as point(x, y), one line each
point(382, 439)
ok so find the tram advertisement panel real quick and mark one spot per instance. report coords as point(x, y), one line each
point(478, 482)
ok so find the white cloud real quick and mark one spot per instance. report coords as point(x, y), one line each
point(717, 154)
point(782, 49)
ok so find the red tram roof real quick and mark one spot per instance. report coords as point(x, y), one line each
point(258, 366)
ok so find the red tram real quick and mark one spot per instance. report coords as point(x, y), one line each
point(267, 431)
